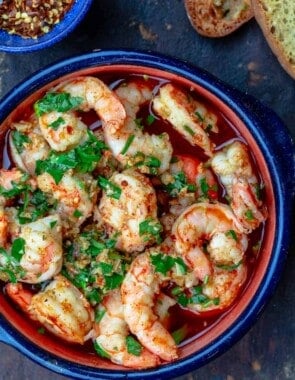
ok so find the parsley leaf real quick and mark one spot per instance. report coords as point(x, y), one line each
point(19, 139)
point(232, 234)
point(112, 190)
point(57, 123)
point(17, 188)
point(179, 183)
point(18, 248)
point(163, 263)
point(180, 334)
point(133, 346)
point(101, 352)
point(82, 158)
point(56, 101)
point(150, 228)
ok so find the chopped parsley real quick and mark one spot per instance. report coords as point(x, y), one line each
point(230, 267)
point(77, 214)
point(180, 182)
point(249, 215)
point(93, 265)
point(151, 229)
point(82, 158)
point(164, 263)
point(18, 249)
point(180, 334)
point(56, 101)
point(99, 313)
point(19, 140)
point(17, 188)
point(200, 117)
point(57, 123)
point(127, 144)
point(189, 130)
point(150, 119)
point(10, 262)
point(196, 297)
point(112, 190)
point(35, 206)
point(133, 346)
point(152, 162)
point(101, 352)
point(232, 234)
point(208, 191)
point(208, 128)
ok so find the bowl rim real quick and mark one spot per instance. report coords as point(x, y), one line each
point(257, 119)
point(56, 34)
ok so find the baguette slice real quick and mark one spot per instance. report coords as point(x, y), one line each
point(277, 21)
point(217, 18)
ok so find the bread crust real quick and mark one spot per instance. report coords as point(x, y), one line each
point(267, 22)
point(218, 18)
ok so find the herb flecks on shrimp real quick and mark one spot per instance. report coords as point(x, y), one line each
point(109, 231)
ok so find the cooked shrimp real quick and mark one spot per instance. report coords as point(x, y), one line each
point(43, 249)
point(60, 307)
point(135, 203)
point(96, 95)
point(221, 288)
point(129, 144)
point(214, 224)
point(188, 116)
point(27, 145)
point(139, 290)
point(62, 130)
point(75, 200)
point(113, 332)
point(235, 170)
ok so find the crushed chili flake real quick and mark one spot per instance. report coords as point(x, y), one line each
point(32, 18)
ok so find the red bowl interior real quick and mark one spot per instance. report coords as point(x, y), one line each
point(85, 357)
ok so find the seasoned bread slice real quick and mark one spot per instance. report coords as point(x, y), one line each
point(277, 21)
point(217, 18)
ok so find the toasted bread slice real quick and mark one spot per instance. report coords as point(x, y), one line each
point(277, 21)
point(217, 18)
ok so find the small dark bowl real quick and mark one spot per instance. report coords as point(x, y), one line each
point(12, 43)
point(269, 141)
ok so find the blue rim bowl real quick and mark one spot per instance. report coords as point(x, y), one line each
point(272, 142)
point(12, 43)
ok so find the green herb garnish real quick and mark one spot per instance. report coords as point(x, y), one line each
point(101, 352)
point(133, 346)
point(82, 158)
point(112, 190)
point(180, 334)
point(232, 234)
point(180, 182)
point(189, 130)
point(151, 228)
point(164, 263)
point(19, 139)
point(56, 101)
point(249, 215)
point(57, 123)
point(127, 145)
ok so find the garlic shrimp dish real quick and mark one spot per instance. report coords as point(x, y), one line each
point(132, 213)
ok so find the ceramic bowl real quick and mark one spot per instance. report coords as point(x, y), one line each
point(15, 44)
point(269, 142)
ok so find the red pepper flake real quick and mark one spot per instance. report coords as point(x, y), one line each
point(32, 18)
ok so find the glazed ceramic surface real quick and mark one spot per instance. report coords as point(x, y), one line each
point(273, 151)
point(16, 44)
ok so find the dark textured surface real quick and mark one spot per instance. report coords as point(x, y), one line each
point(243, 60)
